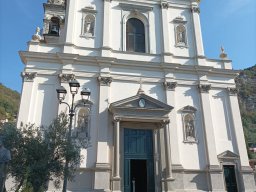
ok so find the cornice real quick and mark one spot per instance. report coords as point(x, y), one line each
point(111, 61)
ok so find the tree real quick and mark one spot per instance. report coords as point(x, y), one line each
point(38, 154)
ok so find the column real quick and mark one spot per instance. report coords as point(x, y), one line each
point(106, 46)
point(24, 116)
point(215, 173)
point(170, 100)
point(116, 176)
point(246, 171)
point(69, 26)
point(167, 181)
point(165, 29)
point(102, 166)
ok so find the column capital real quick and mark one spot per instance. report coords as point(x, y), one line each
point(232, 90)
point(105, 81)
point(164, 123)
point(164, 5)
point(204, 88)
point(116, 119)
point(64, 78)
point(28, 76)
point(195, 9)
point(170, 85)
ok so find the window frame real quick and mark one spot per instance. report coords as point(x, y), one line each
point(137, 15)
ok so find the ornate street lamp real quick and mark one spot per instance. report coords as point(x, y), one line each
point(61, 93)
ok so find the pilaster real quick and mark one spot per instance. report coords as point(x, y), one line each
point(170, 100)
point(195, 9)
point(106, 45)
point(26, 95)
point(69, 26)
point(103, 153)
point(166, 54)
point(237, 125)
point(215, 173)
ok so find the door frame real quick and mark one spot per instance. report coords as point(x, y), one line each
point(236, 173)
point(156, 149)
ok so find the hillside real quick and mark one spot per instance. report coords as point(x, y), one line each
point(246, 84)
point(9, 103)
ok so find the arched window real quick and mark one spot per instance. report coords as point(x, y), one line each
point(54, 26)
point(135, 35)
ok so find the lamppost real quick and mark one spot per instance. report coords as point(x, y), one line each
point(61, 93)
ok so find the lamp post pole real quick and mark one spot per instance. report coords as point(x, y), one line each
point(61, 93)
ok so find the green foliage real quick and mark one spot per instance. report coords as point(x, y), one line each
point(246, 84)
point(9, 103)
point(38, 155)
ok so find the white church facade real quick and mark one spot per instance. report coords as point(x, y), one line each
point(162, 116)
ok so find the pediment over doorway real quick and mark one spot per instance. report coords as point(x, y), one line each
point(228, 155)
point(140, 107)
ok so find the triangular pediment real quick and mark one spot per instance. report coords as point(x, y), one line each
point(140, 106)
point(228, 155)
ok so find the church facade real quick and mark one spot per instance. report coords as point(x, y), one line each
point(161, 117)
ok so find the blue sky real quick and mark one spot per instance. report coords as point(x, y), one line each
point(231, 23)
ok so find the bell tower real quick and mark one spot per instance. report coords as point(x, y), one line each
point(54, 19)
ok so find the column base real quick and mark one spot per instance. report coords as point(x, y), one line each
point(167, 184)
point(116, 184)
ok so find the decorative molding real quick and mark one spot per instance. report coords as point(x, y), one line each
point(179, 20)
point(195, 9)
point(228, 155)
point(170, 85)
point(164, 5)
point(232, 90)
point(105, 81)
point(66, 77)
point(134, 7)
point(204, 88)
point(108, 0)
point(28, 76)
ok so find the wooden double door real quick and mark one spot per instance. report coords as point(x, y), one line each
point(138, 161)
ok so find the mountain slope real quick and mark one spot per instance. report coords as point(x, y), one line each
point(246, 84)
point(9, 103)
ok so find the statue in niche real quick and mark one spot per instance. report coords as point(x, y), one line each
point(89, 25)
point(5, 157)
point(83, 122)
point(181, 34)
point(189, 128)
